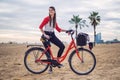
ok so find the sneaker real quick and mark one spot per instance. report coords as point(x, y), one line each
point(50, 70)
point(55, 63)
point(58, 64)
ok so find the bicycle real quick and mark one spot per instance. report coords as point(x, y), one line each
point(81, 61)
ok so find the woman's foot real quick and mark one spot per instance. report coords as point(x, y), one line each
point(58, 63)
point(50, 70)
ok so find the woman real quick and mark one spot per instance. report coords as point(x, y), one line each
point(49, 23)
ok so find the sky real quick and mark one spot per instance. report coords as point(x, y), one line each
point(20, 19)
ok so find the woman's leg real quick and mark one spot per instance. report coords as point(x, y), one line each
point(58, 43)
point(46, 43)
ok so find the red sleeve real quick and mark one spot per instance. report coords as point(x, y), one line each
point(44, 22)
point(58, 28)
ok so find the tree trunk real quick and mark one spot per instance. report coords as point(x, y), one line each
point(94, 35)
point(76, 26)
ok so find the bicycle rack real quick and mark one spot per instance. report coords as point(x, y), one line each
point(31, 45)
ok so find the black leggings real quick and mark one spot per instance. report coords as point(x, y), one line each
point(55, 41)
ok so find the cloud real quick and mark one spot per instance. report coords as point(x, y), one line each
point(24, 16)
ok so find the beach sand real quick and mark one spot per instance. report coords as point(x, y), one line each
point(12, 64)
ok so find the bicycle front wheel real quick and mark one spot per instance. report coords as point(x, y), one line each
point(82, 66)
point(30, 60)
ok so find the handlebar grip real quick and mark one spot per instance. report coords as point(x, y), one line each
point(69, 31)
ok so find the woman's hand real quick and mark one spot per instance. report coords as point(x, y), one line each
point(47, 36)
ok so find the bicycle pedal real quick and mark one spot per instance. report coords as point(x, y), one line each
point(60, 65)
point(54, 63)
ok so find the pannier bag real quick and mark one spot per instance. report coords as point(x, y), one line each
point(90, 45)
point(82, 39)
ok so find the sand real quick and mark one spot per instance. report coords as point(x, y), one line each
point(12, 65)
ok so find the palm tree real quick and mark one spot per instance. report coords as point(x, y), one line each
point(78, 22)
point(94, 20)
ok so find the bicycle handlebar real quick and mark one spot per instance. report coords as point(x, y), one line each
point(70, 32)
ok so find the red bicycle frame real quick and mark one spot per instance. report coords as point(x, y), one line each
point(60, 59)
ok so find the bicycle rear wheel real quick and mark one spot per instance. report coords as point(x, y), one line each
point(84, 66)
point(30, 60)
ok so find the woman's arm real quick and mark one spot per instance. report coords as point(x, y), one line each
point(44, 22)
point(63, 30)
point(59, 29)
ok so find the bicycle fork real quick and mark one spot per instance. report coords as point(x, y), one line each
point(78, 54)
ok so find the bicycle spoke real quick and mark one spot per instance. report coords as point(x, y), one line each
point(30, 61)
point(86, 65)
point(82, 56)
point(34, 53)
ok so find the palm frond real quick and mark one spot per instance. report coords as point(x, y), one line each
point(98, 18)
point(84, 21)
point(74, 17)
point(94, 18)
point(95, 13)
point(78, 21)
point(70, 21)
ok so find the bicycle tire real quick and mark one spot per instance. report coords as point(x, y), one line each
point(74, 68)
point(27, 53)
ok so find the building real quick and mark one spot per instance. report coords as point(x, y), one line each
point(98, 38)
